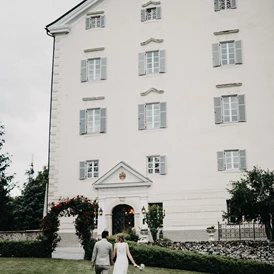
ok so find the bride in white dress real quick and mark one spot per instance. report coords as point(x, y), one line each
point(122, 250)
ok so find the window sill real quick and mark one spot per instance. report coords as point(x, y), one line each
point(228, 66)
point(152, 130)
point(88, 135)
point(232, 171)
point(156, 176)
point(94, 81)
point(230, 124)
point(152, 75)
point(90, 180)
point(151, 21)
point(94, 29)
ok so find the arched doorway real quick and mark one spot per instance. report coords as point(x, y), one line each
point(122, 218)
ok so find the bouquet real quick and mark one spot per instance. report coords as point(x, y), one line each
point(141, 267)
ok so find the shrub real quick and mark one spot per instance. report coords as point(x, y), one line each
point(23, 249)
point(89, 249)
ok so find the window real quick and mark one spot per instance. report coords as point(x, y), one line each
point(224, 4)
point(227, 53)
point(156, 165)
point(229, 109)
point(97, 21)
point(92, 121)
point(152, 116)
point(152, 62)
point(89, 169)
point(152, 13)
point(231, 159)
point(94, 69)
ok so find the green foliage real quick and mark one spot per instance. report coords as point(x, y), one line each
point(253, 197)
point(154, 219)
point(23, 249)
point(6, 185)
point(84, 223)
point(89, 249)
point(172, 259)
point(132, 235)
point(30, 204)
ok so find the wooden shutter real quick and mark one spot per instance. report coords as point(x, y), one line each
point(83, 123)
point(158, 13)
point(242, 158)
point(142, 63)
point(103, 120)
point(102, 21)
point(143, 15)
point(218, 110)
point(216, 55)
point(82, 170)
point(84, 71)
point(233, 4)
point(216, 5)
point(241, 106)
point(162, 165)
point(141, 117)
point(87, 23)
point(238, 49)
point(162, 54)
point(103, 68)
point(221, 160)
point(162, 115)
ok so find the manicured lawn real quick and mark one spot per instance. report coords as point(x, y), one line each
point(57, 266)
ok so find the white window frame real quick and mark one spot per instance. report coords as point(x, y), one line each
point(152, 14)
point(153, 165)
point(230, 109)
point(155, 118)
point(225, 4)
point(93, 125)
point(96, 73)
point(229, 52)
point(155, 65)
point(231, 154)
point(94, 169)
point(97, 21)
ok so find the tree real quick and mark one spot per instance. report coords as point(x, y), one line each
point(6, 185)
point(154, 219)
point(253, 197)
point(29, 206)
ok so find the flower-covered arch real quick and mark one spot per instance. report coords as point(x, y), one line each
point(80, 206)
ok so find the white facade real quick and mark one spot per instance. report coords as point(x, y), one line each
point(191, 188)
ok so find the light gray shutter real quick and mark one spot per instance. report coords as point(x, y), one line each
point(162, 165)
point(216, 5)
point(221, 160)
point(162, 54)
point(162, 115)
point(103, 68)
point(87, 23)
point(142, 63)
point(158, 13)
point(141, 117)
point(238, 49)
point(242, 156)
point(241, 105)
point(233, 4)
point(143, 15)
point(102, 21)
point(103, 122)
point(82, 170)
point(216, 55)
point(218, 110)
point(83, 123)
point(84, 71)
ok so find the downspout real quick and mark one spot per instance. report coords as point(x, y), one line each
point(50, 113)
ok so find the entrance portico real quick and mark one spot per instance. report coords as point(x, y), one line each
point(121, 191)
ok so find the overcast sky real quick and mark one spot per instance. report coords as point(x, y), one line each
point(25, 77)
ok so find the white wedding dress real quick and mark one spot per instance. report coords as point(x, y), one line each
point(121, 264)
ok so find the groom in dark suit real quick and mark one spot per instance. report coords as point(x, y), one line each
point(102, 255)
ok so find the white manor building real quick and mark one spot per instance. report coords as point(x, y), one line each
point(160, 102)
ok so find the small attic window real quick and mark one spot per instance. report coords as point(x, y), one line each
point(95, 21)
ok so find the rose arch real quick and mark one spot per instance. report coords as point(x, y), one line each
point(80, 206)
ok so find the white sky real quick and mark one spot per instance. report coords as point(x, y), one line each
point(25, 77)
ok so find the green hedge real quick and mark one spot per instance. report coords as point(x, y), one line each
point(23, 249)
point(175, 259)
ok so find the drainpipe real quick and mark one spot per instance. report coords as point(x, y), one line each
point(51, 91)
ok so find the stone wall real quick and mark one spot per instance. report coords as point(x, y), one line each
point(19, 235)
